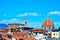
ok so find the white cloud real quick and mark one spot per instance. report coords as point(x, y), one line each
point(25, 14)
point(33, 14)
point(4, 21)
point(54, 13)
point(29, 14)
point(13, 21)
point(10, 21)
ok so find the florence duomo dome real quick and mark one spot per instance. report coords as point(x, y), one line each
point(48, 24)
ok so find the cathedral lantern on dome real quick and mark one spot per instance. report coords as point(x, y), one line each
point(48, 24)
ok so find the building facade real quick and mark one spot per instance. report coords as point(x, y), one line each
point(18, 25)
point(55, 33)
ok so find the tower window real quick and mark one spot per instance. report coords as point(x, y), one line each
point(53, 34)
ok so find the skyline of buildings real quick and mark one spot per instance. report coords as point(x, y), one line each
point(23, 32)
point(29, 19)
point(26, 23)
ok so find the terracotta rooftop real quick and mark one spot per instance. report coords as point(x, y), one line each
point(48, 23)
point(4, 34)
point(5, 29)
point(29, 39)
point(14, 31)
point(6, 39)
point(2, 31)
point(24, 33)
point(37, 30)
point(17, 36)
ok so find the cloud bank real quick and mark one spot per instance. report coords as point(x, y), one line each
point(54, 13)
point(29, 14)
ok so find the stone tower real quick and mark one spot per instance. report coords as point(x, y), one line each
point(26, 22)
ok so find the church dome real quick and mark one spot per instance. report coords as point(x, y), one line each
point(48, 23)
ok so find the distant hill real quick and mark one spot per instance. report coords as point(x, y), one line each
point(3, 26)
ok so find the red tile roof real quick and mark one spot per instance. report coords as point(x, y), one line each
point(5, 29)
point(17, 36)
point(6, 39)
point(4, 34)
point(47, 23)
point(24, 33)
point(37, 30)
point(29, 39)
point(2, 31)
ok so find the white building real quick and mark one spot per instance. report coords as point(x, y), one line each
point(55, 33)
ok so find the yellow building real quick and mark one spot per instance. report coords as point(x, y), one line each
point(55, 34)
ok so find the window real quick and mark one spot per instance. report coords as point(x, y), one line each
point(46, 28)
point(49, 28)
point(20, 39)
point(54, 34)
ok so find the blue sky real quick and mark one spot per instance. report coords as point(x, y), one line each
point(35, 10)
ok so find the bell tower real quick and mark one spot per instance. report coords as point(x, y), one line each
point(26, 22)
